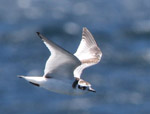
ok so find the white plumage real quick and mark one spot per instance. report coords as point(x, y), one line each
point(62, 73)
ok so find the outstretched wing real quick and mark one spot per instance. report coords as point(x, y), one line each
point(88, 52)
point(61, 63)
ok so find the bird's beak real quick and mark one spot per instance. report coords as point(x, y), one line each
point(91, 89)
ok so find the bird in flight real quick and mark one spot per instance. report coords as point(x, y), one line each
point(62, 73)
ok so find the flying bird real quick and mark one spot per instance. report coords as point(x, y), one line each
point(62, 73)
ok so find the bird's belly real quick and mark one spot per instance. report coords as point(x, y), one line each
point(61, 86)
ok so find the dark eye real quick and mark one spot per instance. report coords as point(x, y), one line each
point(80, 87)
point(83, 88)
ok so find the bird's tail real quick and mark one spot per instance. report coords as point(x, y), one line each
point(35, 80)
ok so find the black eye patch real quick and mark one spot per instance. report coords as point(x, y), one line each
point(80, 87)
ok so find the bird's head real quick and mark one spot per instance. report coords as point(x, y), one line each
point(84, 85)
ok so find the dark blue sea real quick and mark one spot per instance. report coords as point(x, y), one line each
point(122, 78)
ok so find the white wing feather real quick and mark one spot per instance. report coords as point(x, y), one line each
point(88, 52)
point(61, 63)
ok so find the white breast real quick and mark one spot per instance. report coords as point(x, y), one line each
point(61, 86)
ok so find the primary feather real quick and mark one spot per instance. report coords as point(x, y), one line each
point(88, 52)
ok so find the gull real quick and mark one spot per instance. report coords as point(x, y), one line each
point(62, 73)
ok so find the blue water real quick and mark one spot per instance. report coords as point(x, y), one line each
point(121, 29)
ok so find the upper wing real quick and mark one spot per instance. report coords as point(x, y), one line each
point(88, 52)
point(61, 63)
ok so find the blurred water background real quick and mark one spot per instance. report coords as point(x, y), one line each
point(122, 30)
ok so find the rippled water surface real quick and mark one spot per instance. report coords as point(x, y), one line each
point(121, 29)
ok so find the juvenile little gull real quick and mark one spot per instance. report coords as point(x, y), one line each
point(63, 70)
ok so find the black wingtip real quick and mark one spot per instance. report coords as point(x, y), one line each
point(20, 76)
point(38, 33)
